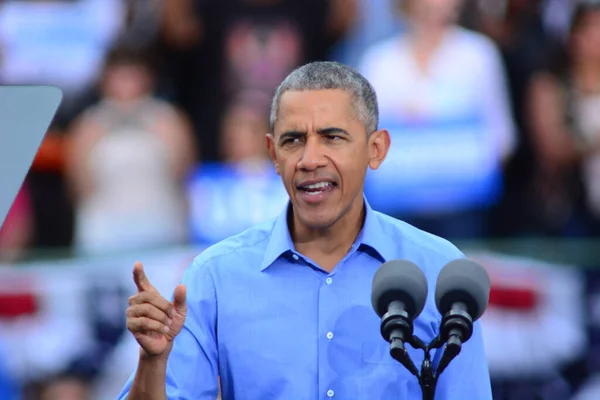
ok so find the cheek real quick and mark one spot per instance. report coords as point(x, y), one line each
point(287, 169)
point(352, 173)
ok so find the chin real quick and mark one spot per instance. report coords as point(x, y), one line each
point(317, 219)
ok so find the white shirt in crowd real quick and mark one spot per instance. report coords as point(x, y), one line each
point(464, 81)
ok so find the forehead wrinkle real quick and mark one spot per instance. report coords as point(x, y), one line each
point(332, 111)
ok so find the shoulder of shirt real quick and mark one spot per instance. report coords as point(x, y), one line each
point(161, 104)
point(473, 40)
point(381, 48)
point(236, 245)
point(418, 239)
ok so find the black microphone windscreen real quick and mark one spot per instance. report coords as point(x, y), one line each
point(399, 280)
point(463, 280)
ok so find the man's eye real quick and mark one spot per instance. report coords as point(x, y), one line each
point(333, 137)
point(291, 141)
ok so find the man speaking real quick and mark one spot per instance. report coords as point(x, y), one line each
point(283, 310)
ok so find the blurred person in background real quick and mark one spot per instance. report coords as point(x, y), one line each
point(51, 206)
point(219, 49)
point(376, 20)
point(525, 42)
point(64, 387)
point(17, 231)
point(564, 113)
point(557, 16)
point(243, 129)
point(142, 24)
point(61, 43)
point(127, 163)
point(58, 42)
point(442, 91)
point(229, 196)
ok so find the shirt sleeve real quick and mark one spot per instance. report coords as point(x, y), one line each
point(192, 368)
point(467, 376)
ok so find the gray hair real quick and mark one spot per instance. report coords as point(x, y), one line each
point(323, 75)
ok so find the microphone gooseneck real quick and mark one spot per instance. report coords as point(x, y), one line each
point(398, 297)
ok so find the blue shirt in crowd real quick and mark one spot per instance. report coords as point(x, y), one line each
point(274, 325)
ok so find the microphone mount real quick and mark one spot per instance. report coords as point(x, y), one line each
point(397, 329)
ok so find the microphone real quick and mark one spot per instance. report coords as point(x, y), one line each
point(462, 294)
point(398, 297)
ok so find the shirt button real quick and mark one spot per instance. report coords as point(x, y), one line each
point(295, 257)
point(330, 393)
point(329, 335)
point(328, 281)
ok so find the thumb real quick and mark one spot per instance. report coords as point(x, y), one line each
point(179, 298)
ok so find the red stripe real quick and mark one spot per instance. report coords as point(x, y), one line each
point(521, 299)
point(18, 304)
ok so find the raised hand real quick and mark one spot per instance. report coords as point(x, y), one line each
point(152, 319)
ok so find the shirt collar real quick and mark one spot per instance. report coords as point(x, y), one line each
point(373, 239)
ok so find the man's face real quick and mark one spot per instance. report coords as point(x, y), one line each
point(321, 150)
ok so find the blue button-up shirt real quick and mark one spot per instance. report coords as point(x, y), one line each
point(274, 325)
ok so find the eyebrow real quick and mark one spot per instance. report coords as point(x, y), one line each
point(332, 131)
point(324, 131)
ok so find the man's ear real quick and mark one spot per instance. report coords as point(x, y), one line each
point(271, 146)
point(379, 144)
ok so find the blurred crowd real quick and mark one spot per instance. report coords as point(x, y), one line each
point(493, 107)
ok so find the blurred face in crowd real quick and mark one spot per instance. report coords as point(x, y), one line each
point(322, 151)
point(126, 82)
point(66, 389)
point(431, 13)
point(243, 130)
point(586, 36)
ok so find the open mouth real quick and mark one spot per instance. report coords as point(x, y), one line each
point(318, 188)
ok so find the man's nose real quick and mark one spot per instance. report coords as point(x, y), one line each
point(314, 154)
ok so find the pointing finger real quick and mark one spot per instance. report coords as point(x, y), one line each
point(139, 277)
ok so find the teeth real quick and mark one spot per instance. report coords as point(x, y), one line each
point(318, 185)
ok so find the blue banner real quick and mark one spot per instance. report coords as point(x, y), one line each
point(435, 166)
point(227, 199)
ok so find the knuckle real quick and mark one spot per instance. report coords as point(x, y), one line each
point(131, 325)
point(153, 324)
point(141, 297)
point(153, 312)
point(140, 309)
point(158, 302)
point(166, 305)
point(131, 311)
point(141, 324)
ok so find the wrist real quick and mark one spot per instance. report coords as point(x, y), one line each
point(155, 359)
